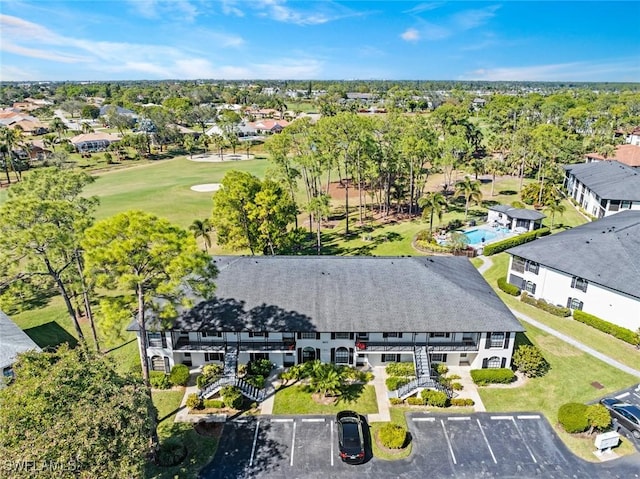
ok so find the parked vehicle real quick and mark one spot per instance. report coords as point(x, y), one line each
point(627, 415)
point(350, 437)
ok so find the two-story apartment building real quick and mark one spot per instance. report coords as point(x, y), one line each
point(594, 267)
point(342, 310)
point(603, 188)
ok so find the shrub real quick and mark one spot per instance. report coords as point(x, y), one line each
point(194, 401)
point(392, 436)
point(500, 246)
point(461, 402)
point(573, 417)
point(441, 369)
point(454, 224)
point(213, 404)
point(395, 401)
point(212, 370)
point(453, 376)
point(257, 381)
point(233, 399)
point(598, 417)
point(492, 376)
point(619, 332)
point(457, 386)
point(260, 367)
point(171, 452)
point(434, 398)
point(159, 380)
point(179, 375)
point(202, 381)
point(401, 369)
point(542, 304)
point(529, 360)
point(508, 288)
point(395, 382)
point(414, 401)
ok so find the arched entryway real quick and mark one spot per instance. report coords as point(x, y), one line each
point(309, 354)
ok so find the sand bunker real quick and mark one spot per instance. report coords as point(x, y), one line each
point(207, 187)
point(206, 158)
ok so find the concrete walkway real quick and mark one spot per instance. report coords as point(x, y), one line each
point(487, 263)
point(383, 415)
point(469, 388)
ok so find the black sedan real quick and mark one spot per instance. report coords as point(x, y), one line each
point(627, 415)
point(350, 437)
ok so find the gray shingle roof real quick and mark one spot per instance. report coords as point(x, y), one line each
point(606, 252)
point(13, 340)
point(518, 213)
point(610, 180)
point(350, 294)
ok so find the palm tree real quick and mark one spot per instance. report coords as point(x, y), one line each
point(9, 139)
point(494, 167)
point(433, 203)
point(58, 126)
point(86, 128)
point(49, 141)
point(325, 379)
point(189, 144)
point(202, 228)
point(553, 207)
point(470, 190)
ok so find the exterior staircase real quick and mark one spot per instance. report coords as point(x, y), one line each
point(423, 380)
point(230, 378)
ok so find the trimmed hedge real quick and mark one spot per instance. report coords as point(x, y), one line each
point(548, 307)
point(392, 436)
point(414, 401)
point(213, 404)
point(507, 287)
point(461, 402)
point(401, 369)
point(573, 417)
point(492, 376)
point(395, 401)
point(159, 380)
point(434, 398)
point(179, 375)
point(503, 245)
point(395, 382)
point(614, 330)
point(233, 400)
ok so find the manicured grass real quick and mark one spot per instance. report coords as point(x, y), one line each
point(296, 400)
point(200, 449)
point(163, 188)
point(569, 379)
point(601, 342)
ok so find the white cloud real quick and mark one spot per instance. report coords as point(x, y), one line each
point(469, 19)
point(423, 7)
point(623, 70)
point(411, 35)
point(317, 12)
point(229, 7)
point(167, 9)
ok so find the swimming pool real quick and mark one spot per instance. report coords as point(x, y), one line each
point(479, 236)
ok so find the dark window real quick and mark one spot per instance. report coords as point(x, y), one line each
point(213, 356)
point(516, 280)
point(342, 356)
point(439, 335)
point(390, 358)
point(439, 358)
point(517, 264)
point(530, 287)
point(533, 267)
point(391, 335)
point(574, 303)
point(211, 334)
point(258, 356)
point(342, 335)
point(579, 283)
point(496, 340)
point(363, 335)
point(307, 335)
point(258, 334)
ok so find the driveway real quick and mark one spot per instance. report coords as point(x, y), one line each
point(478, 445)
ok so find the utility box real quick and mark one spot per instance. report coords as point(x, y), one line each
point(607, 440)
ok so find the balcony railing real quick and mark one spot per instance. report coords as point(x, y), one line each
point(454, 346)
point(185, 344)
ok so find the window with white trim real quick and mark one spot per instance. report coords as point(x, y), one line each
point(496, 340)
point(439, 358)
point(389, 358)
point(530, 287)
point(575, 303)
point(494, 362)
point(342, 356)
point(343, 335)
point(518, 264)
point(213, 356)
point(307, 335)
point(579, 283)
point(532, 267)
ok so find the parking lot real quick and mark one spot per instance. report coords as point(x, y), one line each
point(483, 445)
point(632, 396)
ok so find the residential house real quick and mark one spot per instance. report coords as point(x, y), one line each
point(13, 341)
point(516, 219)
point(633, 138)
point(93, 142)
point(344, 310)
point(594, 268)
point(30, 125)
point(626, 154)
point(603, 188)
point(268, 126)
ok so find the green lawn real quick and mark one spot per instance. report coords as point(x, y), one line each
point(295, 400)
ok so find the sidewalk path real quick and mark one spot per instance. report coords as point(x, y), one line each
point(487, 263)
point(383, 415)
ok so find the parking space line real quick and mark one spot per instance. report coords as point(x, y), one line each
point(458, 418)
point(636, 395)
point(332, 425)
point(499, 418)
point(293, 443)
point(313, 419)
point(282, 420)
point(446, 436)
point(531, 416)
point(524, 441)
point(428, 419)
point(255, 441)
point(623, 395)
point(487, 442)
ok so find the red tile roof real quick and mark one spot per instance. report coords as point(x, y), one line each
point(627, 154)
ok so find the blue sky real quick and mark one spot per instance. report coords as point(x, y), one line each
point(329, 40)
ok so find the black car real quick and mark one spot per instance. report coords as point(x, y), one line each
point(627, 415)
point(350, 437)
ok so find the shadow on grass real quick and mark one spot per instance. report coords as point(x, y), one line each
point(507, 192)
point(350, 393)
point(50, 335)
point(115, 348)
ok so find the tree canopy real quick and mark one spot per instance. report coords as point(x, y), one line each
point(69, 414)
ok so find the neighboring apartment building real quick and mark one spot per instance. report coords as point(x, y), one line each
point(345, 310)
point(603, 188)
point(93, 142)
point(594, 267)
point(13, 341)
point(626, 154)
